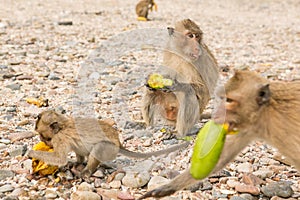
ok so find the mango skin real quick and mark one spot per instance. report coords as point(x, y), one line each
point(207, 149)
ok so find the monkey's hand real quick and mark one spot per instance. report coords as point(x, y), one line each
point(162, 191)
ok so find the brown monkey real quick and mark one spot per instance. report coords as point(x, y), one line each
point(142, 8)
point(258, 109)
point(87, 137)
point(194, 69)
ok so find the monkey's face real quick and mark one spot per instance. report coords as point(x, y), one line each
point(245, 96)
point(47, 125)
point(186, 43)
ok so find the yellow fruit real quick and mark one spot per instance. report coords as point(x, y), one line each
point(157, 81)
point(39, 166)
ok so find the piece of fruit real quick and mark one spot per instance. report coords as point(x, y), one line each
point(39, 166)
point(207, 149)
point(157, 81)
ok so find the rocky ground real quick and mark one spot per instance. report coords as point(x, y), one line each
point(92, 57)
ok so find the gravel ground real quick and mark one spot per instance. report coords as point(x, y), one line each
point(48, 47)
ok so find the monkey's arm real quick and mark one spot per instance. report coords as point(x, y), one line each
point(52, 158)
point(233, 145)
point(57, 157)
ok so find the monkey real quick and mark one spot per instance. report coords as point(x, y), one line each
point(142, 8)
point(193, 67)
point(258, 109)
point(87, 137)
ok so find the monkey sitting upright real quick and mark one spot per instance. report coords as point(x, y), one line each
point(258, 109)
point(87, 137)
point(192, 66)
point(142, 8)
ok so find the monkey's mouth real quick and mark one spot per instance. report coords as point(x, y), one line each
point(232, 127)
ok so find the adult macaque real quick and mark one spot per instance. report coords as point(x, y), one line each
point(194, 69)
point(87, 137)
point(258, 109)
point(142, 8)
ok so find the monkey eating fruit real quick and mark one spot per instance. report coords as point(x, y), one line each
point(142, 8)
point(258, 109)
point(87, 137)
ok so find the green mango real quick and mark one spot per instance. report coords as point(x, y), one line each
point(207, 149)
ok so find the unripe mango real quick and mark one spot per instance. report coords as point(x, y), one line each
point(207, 149)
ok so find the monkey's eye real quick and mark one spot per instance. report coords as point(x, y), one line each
point(190, 35)
point(228, 100)
point(197, 35)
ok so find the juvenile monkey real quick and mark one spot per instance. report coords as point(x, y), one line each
point(87, 137)
point(194, 69)
point(142, 8)
point(258, 109)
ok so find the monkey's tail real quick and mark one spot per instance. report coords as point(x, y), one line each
point(132, 154)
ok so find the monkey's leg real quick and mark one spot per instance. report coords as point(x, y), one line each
point(102, 151)
point(188, 113)
point(143, 14)
point(148, 107)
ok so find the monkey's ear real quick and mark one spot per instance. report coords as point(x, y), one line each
point(263, 95)
point(171, 31)
point(55, 127)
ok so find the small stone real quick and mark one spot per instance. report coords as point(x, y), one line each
point(169, 173)
point(65, 23)
point(24, 77)
point(14, 86)
point(99, 173)
point(244, 168)
point(248, 196)
point(50, 194)
point(5, 141)
point(18, 150)
point(247, 189)
point(20, 135)
point(232, 183)
point(280, 189)
point(6, 188)
point(4, 173)
point(85, 195)
point(236, 198)
point(157, 181)
point(115, 184)
point(125, 196)
point(136, 179)
point(2, 146)
point(53, 76)
point(251, 179)
point(85, 187)
point(263, 173)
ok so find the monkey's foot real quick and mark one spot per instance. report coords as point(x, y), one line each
point(159, 192)
point(142, 19)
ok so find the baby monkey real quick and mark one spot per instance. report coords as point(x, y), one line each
point(87, 137)
point(143, 7)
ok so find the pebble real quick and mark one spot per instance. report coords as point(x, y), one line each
point(5, 173)
point(251, 179)
point(263, 173)
point(84, 186)
point(280, 189)
point(248, 196)
point(14, 86)
point(157, 181)
point(236, 198)
point(125, 196)
point(136, 179)
point(115, 184)
point(244, 168)
point(85, 195)
point(232, 183)
point(6, 188)
point(247, 189)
